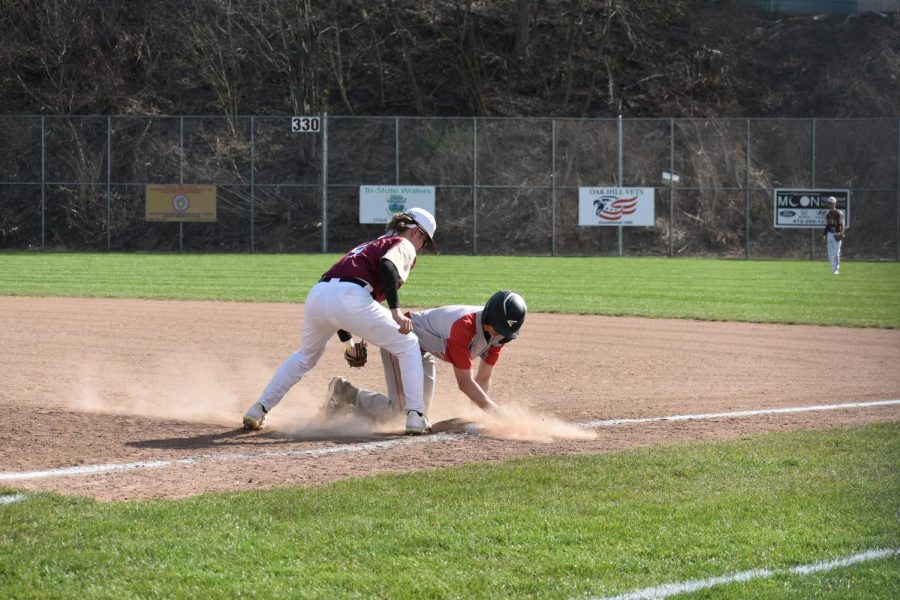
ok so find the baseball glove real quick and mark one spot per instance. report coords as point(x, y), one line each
point(840, 237)
point(357, 356)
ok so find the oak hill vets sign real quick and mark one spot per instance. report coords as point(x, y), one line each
point(616, 206)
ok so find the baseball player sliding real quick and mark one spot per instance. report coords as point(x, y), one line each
point(458, 334)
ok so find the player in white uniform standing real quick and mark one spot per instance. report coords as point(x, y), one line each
point(458, 334)
point(348, 297)
point(834, 234)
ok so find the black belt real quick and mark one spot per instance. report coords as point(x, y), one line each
point(360, 282)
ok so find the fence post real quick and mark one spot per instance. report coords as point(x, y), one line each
point(619, 182)
point(747, 198)
point(324, 183)
point(43, 181)
point(671, 186)
point(181, 149)
point(474, 185)
point(252, 183)
point(108, 182)
point(181, 179)
point(812, 233)
point(553, 187)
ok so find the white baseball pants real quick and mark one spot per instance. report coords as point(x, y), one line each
point(334, 305)
point(834, 251)
point(381, 407)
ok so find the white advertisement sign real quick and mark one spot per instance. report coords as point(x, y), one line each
point(616, 206)
point(379, 203)
point(805, 209)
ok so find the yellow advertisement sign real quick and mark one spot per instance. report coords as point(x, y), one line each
point(176, 202)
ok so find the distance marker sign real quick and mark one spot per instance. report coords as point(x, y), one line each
point(306, 124)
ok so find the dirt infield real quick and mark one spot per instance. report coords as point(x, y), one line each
point(143, 399)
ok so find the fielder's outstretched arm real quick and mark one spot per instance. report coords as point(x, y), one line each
point(475, 392)
point(391, 279)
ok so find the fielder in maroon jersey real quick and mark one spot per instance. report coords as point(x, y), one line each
point(834, 234)
point(348, 297)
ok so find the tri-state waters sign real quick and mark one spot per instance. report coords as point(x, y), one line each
point(379, 203)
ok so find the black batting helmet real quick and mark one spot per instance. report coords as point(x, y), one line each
point(505, 311)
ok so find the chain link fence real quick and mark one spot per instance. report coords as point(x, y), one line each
point(503, 186)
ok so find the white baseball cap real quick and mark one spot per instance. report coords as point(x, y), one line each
point(425, 220)
point(831, 200)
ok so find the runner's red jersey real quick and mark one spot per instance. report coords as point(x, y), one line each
point(462, 342)
point(455, 334)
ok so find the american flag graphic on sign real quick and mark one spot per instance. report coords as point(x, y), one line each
point(616, 206)
point(611, 209)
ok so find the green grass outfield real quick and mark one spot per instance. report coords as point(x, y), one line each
point(782, 291)
point(562, 527)
point(554, 527)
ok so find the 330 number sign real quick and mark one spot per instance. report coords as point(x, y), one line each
point(306, 124)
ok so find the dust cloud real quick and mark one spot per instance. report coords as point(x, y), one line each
point(343, 427)
point(514, 422)
point(518, 422)
point(170, 388)
point(208, 391)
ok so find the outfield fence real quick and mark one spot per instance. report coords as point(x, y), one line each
point(503, 185)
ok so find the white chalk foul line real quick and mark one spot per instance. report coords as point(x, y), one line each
point(13, 498)
point(671, 589)
point(367, 446)
point(158, 464)
point(738, 414)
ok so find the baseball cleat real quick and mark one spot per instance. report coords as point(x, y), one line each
point(341, 396)
point(255, 417)
point(416, 423)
